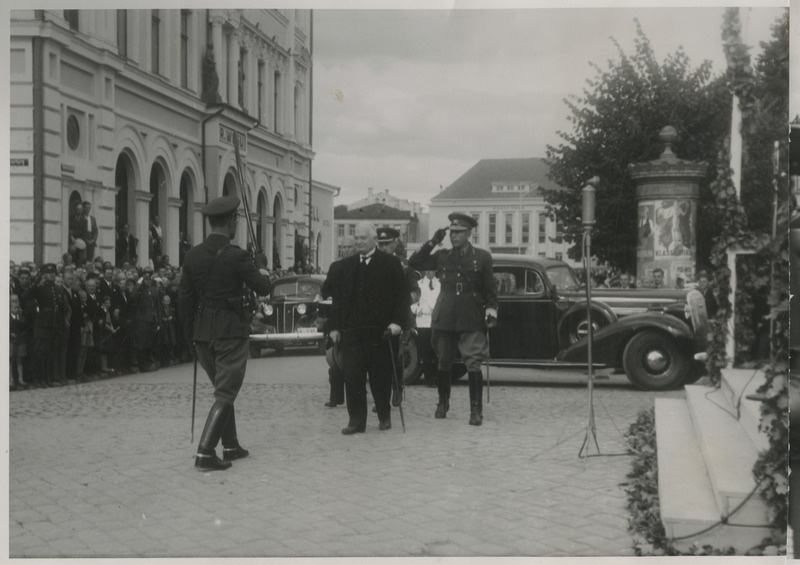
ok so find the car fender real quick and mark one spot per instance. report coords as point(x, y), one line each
point(609, 342)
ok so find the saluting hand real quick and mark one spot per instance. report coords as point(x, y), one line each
point(393, 329)
point(439, 235)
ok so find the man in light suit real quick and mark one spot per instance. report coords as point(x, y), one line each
point(89, 230)
point(373, 307)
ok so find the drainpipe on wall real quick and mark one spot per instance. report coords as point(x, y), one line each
point(38, 150)
point(311, 135)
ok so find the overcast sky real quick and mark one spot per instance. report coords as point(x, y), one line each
point(408, 100)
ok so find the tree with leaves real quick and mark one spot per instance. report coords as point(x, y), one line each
point(615, 122)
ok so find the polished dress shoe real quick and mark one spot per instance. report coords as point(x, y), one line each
point(332, 404)
point(350, 430)
point(210, 462)
point(441, 411)
point(232, 453)
point(385, 424)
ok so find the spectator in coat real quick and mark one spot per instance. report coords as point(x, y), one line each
point(18, 336)
point(166, 332)
point(146, 321)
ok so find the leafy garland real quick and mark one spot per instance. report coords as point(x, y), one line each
point(772, 465)
point(649, 536)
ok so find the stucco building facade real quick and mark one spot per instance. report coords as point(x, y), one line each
point(137, 111)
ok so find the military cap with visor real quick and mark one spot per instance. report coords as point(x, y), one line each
point(387, 235)
point(221, 206)
point(461, 222)
point(49, 268)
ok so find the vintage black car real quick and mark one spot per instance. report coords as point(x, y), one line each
point(290, 316)
point(657, 337)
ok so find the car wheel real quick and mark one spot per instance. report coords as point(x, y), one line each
point(574, 325)
point(279, 347)
point(653, 361)
point(322, 346)
point(410, 361)
point(255, 350)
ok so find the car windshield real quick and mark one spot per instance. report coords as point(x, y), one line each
point(303, 290)
point(562, 278)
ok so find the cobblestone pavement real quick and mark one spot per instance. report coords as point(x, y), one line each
point(105, 469)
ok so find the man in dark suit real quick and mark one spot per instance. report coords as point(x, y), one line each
point(466, 306)
point(373, 307)
point(126, 247)
point(332, 288)
point(212, 314)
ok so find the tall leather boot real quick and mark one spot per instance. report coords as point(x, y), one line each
point(230, 442)
point(443, 384)
point(206, 450)
point(475, 398)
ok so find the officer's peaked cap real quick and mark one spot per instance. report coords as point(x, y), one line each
point(221, 206)
point(49, 268)
point(385, 235)
point(461, 222)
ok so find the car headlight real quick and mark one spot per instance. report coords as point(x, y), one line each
point(268, 310)
point(301, 309)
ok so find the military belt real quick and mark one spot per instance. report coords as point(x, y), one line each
point(458, 287)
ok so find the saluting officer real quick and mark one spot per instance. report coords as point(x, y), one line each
point(212, 313)
point(50, 325)
point(466, 306)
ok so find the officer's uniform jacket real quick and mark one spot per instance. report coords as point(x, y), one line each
point(52, 309)
point(210, 299)
point(467, 286)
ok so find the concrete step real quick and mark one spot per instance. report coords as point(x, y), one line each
point(729, 455)
point(737, 384)
point(686, 496)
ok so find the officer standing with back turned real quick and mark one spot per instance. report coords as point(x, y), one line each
point(465, 308)
point(212, 313)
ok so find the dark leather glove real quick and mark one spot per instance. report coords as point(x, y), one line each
point(438, 236)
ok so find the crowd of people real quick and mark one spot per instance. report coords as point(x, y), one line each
point(95, 319)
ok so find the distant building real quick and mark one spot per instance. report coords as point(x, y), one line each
point(137, 111)
point(505, 197)
point(380, 215)
point(388, 200)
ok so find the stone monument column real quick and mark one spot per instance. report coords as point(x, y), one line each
point(667, 190)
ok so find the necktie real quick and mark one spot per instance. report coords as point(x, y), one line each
point(430, 284)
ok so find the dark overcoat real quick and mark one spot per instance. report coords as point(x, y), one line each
point(384, 297)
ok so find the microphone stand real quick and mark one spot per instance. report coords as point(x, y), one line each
point(588, 222)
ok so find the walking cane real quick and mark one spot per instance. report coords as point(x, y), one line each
point(396, 382)
point(194, 390)
point(488, 370)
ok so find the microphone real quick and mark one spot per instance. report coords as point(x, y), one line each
point(589, 196)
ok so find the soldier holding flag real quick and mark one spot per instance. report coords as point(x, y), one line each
point(211, 310)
